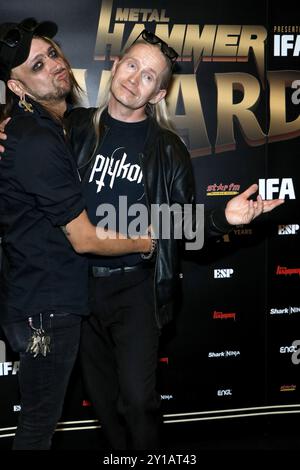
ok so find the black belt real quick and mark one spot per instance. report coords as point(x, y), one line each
point(103, 271)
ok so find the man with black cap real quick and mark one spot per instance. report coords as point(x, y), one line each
point(129, 306)
point(44, 228)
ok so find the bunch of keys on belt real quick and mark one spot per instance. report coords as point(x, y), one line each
point(39, 342)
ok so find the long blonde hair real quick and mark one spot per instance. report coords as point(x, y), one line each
point(158, 111)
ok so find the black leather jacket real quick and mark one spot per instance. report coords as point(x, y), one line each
point(168, 179)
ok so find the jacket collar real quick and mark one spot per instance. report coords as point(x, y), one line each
point(37, 108)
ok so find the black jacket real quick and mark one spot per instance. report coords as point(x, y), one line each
point(168, 179)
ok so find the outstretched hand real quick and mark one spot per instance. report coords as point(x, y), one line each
point(3, 136)
point(240, 210)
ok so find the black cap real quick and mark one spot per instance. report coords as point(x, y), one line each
point(15, 42)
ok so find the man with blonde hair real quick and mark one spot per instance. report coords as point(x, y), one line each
point(129, 147)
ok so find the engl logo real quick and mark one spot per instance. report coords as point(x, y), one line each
point(287, 349)
point(221, 189)
point(224, 273)
point(276, 188)
point(224, 392)
point(288, 229)
point(223, 316)
point(284, 271)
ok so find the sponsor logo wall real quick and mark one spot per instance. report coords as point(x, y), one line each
point(235, 101)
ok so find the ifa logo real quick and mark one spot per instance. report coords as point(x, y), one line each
point(291, 229)
point(223, 273)
point(273, 188)
point(286, 45)
point(7, 368)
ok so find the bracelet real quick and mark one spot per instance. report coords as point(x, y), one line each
point(147, 256)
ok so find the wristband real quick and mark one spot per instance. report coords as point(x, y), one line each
point(147, 256)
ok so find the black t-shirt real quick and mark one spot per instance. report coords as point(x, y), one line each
point(39, 191)
point(115, 173)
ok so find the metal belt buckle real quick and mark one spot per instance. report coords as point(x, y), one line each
point(101, 271)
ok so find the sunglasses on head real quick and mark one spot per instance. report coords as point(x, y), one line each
point(151, 38)
point(12, 38)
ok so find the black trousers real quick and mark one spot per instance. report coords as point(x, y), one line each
point(43, 380)
point(119, 348)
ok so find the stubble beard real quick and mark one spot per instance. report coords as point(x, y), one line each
point(58, 93)
point(126, 102)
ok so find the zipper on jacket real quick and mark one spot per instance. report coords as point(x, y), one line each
point(141, 159)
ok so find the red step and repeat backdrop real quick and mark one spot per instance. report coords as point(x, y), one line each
point(232, 351)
